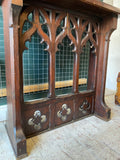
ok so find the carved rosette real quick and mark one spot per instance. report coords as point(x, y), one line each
point(84, 108)
point(64, 112)
point(37, 120)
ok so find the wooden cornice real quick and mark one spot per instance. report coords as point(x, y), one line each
point(101, 5)
point(85, 6)
point(92, 7)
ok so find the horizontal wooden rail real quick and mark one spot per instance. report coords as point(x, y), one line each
point(44, 86)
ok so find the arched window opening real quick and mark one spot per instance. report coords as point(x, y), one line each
point(87, 67)
point(64, 67)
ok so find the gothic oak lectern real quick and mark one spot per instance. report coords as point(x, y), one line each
point(81, 21)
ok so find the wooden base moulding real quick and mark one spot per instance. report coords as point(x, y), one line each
point(92, 22)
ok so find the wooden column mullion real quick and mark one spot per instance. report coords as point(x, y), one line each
point(77, 57)
point(76, 72)
point(92, 71)
point(52, 28)
point(51, 76)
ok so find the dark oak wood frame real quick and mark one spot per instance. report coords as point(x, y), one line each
point(76, 105)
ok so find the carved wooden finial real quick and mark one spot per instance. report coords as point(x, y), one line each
point(117, 96)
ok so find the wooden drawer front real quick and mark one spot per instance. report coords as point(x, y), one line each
point(83, 106)
point(36, 119)
point(63, 112)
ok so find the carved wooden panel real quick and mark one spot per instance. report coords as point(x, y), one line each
point(64, 111)
point(36, 118)
point(84, 106)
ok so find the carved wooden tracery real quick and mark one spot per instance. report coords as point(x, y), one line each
point(53, 21)
point(78, 30)
point(82, 22)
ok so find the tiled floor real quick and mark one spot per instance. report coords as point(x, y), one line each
point(87, 139)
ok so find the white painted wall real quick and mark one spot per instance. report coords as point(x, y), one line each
point(114, 53)
point(108, 1)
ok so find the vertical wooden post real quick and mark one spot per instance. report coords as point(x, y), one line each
point(92, 71)
point(108, 25)
point(77, 57)
point(13, 74)
point(51, 74)
point(52, 53)
point(76, 72)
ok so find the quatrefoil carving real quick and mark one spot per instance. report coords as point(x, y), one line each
point(64, 112)
point(37, 120)
point(84, 107)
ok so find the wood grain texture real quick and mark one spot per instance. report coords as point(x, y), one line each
point(14, 120)
point(107, 27)
point(98, 8)
point(30, 118)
